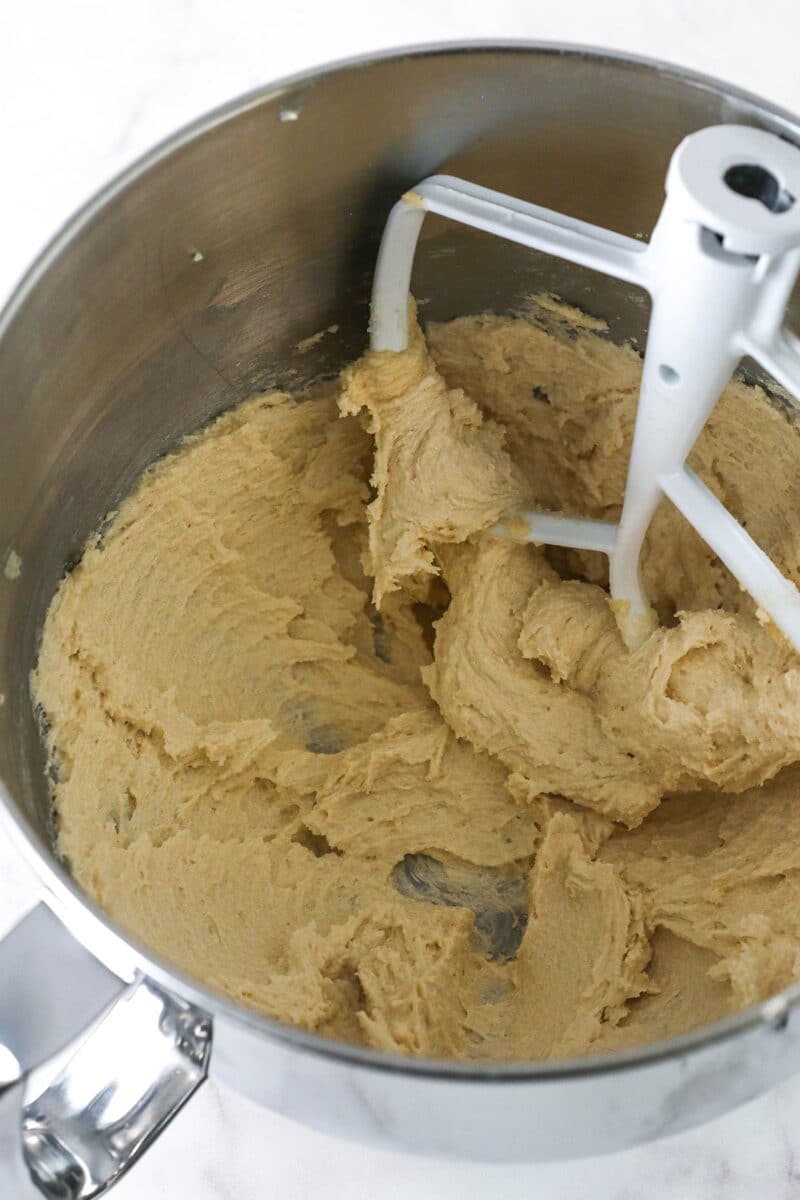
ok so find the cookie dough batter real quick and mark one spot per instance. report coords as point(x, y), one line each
point(324, 743)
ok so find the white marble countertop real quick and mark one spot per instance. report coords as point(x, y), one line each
point(88, 85)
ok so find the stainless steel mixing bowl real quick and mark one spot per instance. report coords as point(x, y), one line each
point(181, 288)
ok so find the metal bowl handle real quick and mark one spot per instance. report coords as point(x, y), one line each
point(145, 1054)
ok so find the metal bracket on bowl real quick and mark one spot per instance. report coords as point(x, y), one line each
point(126, 1080)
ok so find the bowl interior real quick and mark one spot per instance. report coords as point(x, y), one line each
point(193, 280)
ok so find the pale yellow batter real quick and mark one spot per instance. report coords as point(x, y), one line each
point(329, 746)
